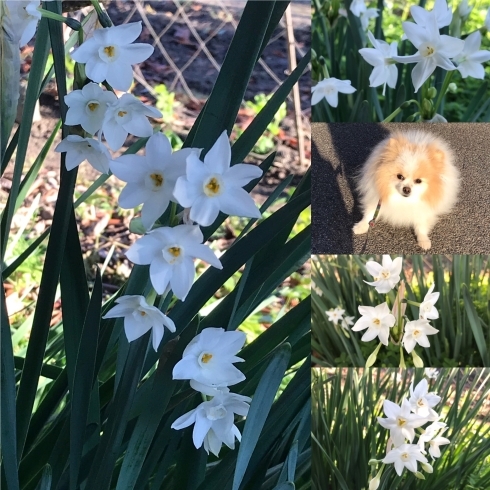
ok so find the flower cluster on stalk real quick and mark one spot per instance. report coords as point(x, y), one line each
point(208, 362)
point(433, 50)
point(391, 324)
point(204, 187)
point(405, 422)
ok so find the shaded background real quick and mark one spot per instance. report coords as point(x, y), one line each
point(340, 149)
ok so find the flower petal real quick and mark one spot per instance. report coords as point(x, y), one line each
point(218, 158)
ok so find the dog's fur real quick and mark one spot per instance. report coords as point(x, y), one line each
point(413, 174)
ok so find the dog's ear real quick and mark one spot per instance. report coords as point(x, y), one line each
point(437, 156)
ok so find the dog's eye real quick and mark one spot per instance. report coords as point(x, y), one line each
point(418, 181)
point(400, 177)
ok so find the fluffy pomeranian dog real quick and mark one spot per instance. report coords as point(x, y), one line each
point(413, 178)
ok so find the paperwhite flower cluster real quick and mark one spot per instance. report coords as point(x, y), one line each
point(337, 315)
point(205, 188)
point(208, 363)
point(23, 18)
point(433, 50)
point(380, 320)
point(401, 421)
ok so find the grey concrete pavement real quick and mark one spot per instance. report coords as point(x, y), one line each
point(339, 149)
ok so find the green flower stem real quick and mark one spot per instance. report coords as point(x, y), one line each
point(442, 93)
point(413, 303)
point(401, 108)
point(72, 23)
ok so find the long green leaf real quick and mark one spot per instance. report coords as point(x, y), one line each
point(259, 410)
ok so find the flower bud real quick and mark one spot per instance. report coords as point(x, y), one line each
point(431, 93)
point(452, 87)
point(374, 483)
point(417, 361)
point(419, 475)
point(427, 467)
point(372, 358)
point(427, 106)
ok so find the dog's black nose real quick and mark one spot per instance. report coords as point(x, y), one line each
point(407, 191)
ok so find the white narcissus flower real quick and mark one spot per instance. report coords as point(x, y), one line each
point(469, 61)
point(441, 11)
point(170, 252)
point(427, 309)
point(214, 421)
point(211, 186)
point(209, 358)
point(79, 149)
point(381, 57)
point(421, 401)
point(127, 115)
point(330, 88)
point(366, 15)
point(431, 373)
point(109, 54)
point(433, 50)
point(429, 436)
point(88, 106)
point(405, 456)
point(386, 275)
point(348, 320)
point(24, 17)
point(357, 6)
point(139, 317)
point(378, 320)
point(151, 178)
point(416, 333)
point(400, 421)
point(335, 315)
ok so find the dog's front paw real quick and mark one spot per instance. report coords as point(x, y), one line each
point(360, 228)
point(424, 242)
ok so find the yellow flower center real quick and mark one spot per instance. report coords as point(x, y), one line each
point(93, 106)
point(416, 332)
point(175, 251)
point(420, 403)
point(142, 313)
point(377, 322)
point(206, 358)
point(121, 113)
point(401, 422)
point(158, 182)
point(110, 51)
point(405, 456)
point(212, 186)
point(385, 274)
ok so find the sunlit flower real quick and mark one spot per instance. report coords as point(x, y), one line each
point(427, 309)
point(469, 61)
point(405, 456)
point(24, 17)
point(109, 54)
point(421, 401)
point(441, 11)
point(209, 358)
point(433, 49)
point(434, 441)
point(330, 88)
point(79, 149)
point(386, 275)
point(214, 421)
point(335, 315)
point(416, 333)
point(170, 252)
point(127, 115)
point(151, 178)
point(400, 421)
point(381, 57)
point(139, 317)
point(431, 373)
point(211, 186)
point(88, 106)
point(378, 320)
